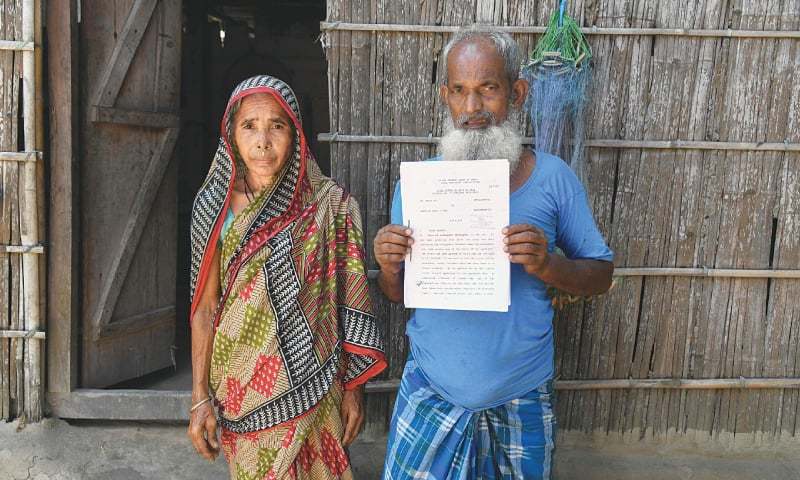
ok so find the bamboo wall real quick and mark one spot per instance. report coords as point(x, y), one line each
point(11, 378)
point(20, 199)
point(720, 198)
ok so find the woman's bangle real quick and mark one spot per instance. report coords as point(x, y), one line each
point(199, 404)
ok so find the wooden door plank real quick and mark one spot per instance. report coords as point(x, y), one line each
point(124, 51)
point(135, 117)
point(118, 268)
point(139, 322)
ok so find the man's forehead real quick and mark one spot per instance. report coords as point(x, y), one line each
point(477, 54)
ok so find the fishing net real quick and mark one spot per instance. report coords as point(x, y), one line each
point(559, 73)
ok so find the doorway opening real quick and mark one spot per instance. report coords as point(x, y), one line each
point(225, 42)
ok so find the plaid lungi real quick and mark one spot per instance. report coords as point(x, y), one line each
point(432, 439)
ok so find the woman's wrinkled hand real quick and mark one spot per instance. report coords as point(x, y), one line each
point(203, 431)
point(352, 414)
point(391, 245)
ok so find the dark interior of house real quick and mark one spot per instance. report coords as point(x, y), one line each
point(225, 42)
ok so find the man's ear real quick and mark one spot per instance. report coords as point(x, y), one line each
point(519, 92)
point(443, 93)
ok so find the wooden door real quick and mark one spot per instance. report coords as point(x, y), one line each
point(130, 99)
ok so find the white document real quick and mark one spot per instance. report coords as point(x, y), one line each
point(457, 211)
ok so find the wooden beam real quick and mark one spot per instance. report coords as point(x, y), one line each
point(37, 249)
point(596, 143)
point(149, 405)
point(124, 51)
point(139, 322)
point(138, 215)
point(35, 334)
point(135, 117)
point(19, 46)
point(20, 156)
point(63, 243)
point(672, 32)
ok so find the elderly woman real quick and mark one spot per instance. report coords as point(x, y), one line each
point(283, 337)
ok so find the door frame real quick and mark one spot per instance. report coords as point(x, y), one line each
point(63, 278)
point(64, 398)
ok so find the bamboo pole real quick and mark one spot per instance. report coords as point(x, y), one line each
point(29, 233)
point(598, 143)
point(383, 386)
point(41, 200)
point(19, 46)
point(22, 248)
point(688, 272)
point(19, 156)
point(37, 335)
point(706, 272)
point(696, 145)
point(672, 32)
point(679, 384)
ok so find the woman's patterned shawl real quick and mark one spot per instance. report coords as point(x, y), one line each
point(295, 311)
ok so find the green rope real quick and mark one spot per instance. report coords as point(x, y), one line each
point(564, 43)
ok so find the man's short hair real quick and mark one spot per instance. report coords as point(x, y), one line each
point(506, 46)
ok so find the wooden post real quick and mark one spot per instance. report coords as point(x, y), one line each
point(63, 294)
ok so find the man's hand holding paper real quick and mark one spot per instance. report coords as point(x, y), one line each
point(527, 246)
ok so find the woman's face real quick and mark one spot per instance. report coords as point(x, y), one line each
point(263, 134)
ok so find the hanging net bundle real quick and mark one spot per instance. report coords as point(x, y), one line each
point(559, 73)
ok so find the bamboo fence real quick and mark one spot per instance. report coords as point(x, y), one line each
point(693, 174)
point(21, 335)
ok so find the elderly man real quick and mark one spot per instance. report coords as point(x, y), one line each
point(475, 401)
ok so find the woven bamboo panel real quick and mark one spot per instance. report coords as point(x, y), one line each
point(658, 208)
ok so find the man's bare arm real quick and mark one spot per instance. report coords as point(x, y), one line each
point(391, 285)
point(527, 246)
point(577, 277)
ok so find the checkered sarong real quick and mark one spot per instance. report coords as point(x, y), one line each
point(432, 439)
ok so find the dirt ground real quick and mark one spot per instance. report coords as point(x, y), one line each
point(58, 450)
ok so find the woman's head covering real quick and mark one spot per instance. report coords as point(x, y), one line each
point(281, 206)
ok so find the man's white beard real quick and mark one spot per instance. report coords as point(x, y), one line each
point(495, 141)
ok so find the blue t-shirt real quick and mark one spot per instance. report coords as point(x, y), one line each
point(483, 359)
